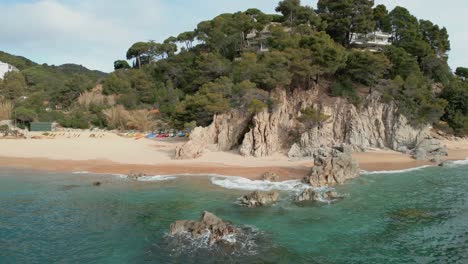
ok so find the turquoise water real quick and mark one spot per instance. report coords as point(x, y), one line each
point(412, 217)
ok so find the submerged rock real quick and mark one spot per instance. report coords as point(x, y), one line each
point(257, 199)
point(270, 176)
point(332, 166)
point(309, 195)
point(209, 225)
point(97, 183)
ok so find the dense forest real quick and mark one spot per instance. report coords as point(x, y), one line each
point(237, 60)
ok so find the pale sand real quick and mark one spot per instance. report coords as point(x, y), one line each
point(114, 154)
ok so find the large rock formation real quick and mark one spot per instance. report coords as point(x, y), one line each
point(209, 224)
point(374, 124)
point(332, 166)
point(257, 199)
point(223, 134)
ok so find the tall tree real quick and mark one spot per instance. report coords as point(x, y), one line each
point(347, 17)
point(295, 14)
point(121, 64)
point(382, 21)
point(13, 85)
point(138, 51)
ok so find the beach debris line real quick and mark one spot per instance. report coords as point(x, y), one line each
point(210, 227)
point(259, 198)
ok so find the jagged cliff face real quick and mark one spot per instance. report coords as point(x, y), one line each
point(372, 125)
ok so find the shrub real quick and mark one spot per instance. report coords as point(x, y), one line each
point(141, 120)
point(256, 106)
point(345, 88)
point(6, 108)
point(310, 117)
point(116, 116)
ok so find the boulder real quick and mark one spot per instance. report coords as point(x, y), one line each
point(311, 195)
point(332, 166)
point(270, 176)
point(135, 175)
point(209, 224)
point(257, 199)
point(430, 149)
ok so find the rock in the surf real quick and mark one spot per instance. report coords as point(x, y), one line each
point(97, 184)
point(257, 199)
point(332, 166)
point(135, 175)
point(311, 195)
point(209, 224)
point(270, 176)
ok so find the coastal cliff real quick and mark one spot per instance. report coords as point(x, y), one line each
point(372, 124)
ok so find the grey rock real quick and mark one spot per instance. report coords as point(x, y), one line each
point(208, 224)
point(270, 176)
point(257, 199)
point(309, 195)
point(332, 166)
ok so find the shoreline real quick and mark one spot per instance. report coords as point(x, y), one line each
point(113, 154)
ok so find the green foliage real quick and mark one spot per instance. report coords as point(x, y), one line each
point(121, 64)
point(256, 106)
point(311, 117)
point(382, 21)
point(327, 56)
point(75, 119)
point(295, 14)
point(403, 64)
point(462, 72)
point(366, 67)
point(13, 85)
point(19, 62)
point(24, 115)
point(345, 17)
point(344, 88)
point(456, 112)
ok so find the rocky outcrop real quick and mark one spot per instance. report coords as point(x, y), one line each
point(270, 176)
point(209, 225)
point(332, 166)
point(309, 195)
point(257, 199)
point(430, 149)
point(373, 124)
point(223, 134)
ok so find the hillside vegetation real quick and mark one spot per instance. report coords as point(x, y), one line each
point(236, 60)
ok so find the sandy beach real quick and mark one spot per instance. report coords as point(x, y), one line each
point(111, 153)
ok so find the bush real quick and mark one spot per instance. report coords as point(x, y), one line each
point(256, 106)
point(74, 120)
point(5, 109)
point(311, 117)
point(141, 120)
point(345, 89)
point(116, 117)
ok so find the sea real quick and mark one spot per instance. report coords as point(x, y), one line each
point(409, 216)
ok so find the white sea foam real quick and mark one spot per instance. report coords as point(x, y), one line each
point(156, 178)
point(240, 183)
point(395, 171)
point(460, 162)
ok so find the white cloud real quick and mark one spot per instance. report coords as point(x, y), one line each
point(89, 34)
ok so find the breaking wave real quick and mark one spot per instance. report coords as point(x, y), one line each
point(395, 171)
point(240, 183)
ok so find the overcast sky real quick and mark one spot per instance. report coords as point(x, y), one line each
point(94, 33)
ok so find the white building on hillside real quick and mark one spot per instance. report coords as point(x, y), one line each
point(5, 67)
point(373, 41)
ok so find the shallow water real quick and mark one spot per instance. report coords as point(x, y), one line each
point(410, 217)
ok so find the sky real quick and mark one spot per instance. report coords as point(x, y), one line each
point(95, 33)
